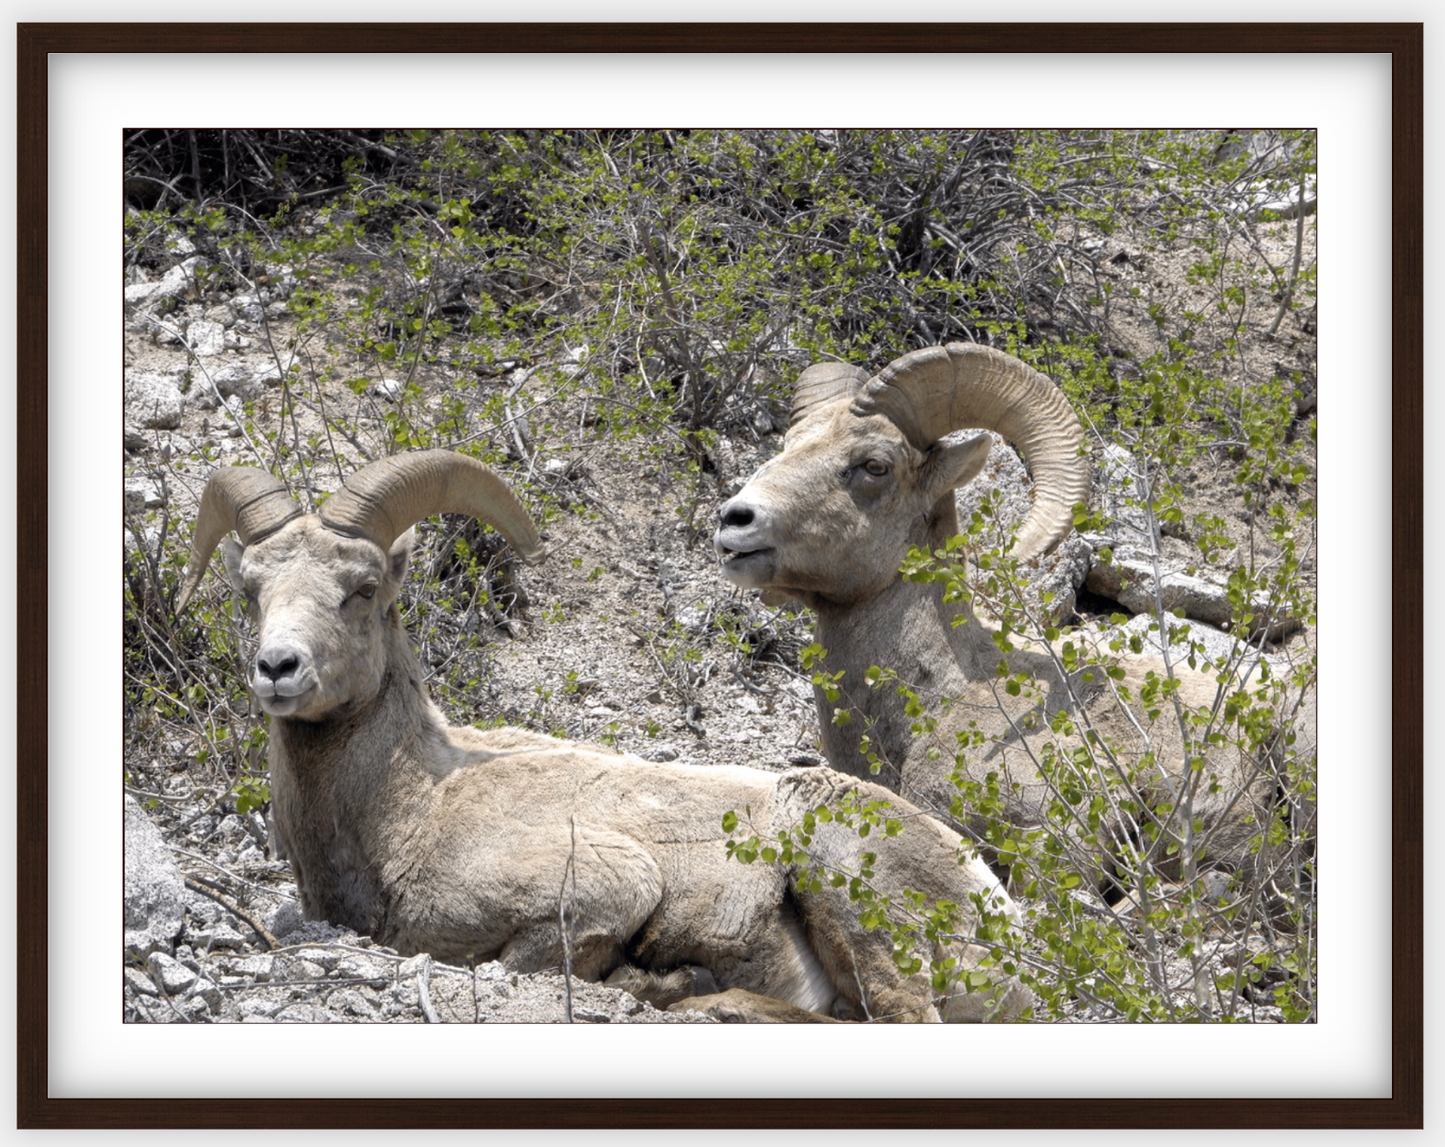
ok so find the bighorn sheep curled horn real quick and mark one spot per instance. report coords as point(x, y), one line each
point(930, 393)
point(380, 502)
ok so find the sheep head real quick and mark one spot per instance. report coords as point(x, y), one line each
point(323, 587)
point(865, 470)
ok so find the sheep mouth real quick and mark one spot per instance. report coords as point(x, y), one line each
point(285, 704)
point(746, 568)
point(283, 698)
point(731, 557)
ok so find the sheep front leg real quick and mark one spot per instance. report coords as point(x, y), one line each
point(540, 949)
point(601, 885)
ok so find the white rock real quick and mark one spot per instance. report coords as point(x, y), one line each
point(167, 334)
point(202, 397)
point(257, 967)
point(258, 1008)
point(1116, 481)
point(216, 936)
point(1130, 581)
point(154, 888)
point(302, 1014)
point(177, 281)
point(323, 957)
point(354, 967)
point(152, 401)
point(138, 293)
point(284, 919)
point(247, 307)
point(206, 339)
point(138, 981)
point(693, 617)
point(173, 976)
point(348, 1001)
point(240, 379)
point(1004, 476)
point(174, 446)
point(141, 494)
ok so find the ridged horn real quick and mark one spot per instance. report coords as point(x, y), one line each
point(381, 500)
point(822, 384)
point(239, 498)
point(932, 392)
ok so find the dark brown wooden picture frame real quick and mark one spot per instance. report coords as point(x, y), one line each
point(35, 1109)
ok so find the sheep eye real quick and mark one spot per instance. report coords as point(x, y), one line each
point(875, 467)
point(367, 591)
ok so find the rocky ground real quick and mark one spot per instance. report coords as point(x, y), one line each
point(197, 955)
point(626, 635)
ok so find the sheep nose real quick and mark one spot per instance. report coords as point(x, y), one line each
point(735, 513)
point(278, 663)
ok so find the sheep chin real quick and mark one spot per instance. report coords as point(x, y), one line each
point(750, 569)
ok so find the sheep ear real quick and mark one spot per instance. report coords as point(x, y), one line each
point(397, 561)
point(954, 464)
point(231, 551)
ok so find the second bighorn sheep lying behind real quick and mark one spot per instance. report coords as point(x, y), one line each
point(462, 842)
point(867, 470)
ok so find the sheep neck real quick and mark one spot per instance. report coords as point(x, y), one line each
point(945, 657)
point(339, 796)
point(908, 629)
point(935, 647)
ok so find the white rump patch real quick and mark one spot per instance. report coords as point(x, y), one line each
point(799, 977)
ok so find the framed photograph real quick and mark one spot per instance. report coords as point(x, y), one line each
point(82, 86)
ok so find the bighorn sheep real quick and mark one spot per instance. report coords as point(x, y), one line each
point(463, 842)
point(866, 471)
